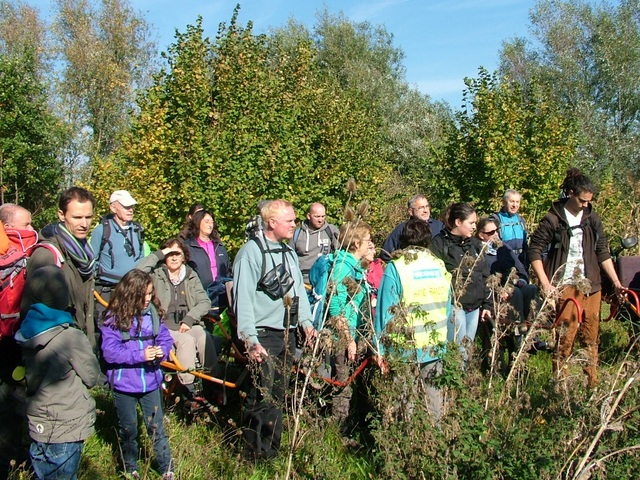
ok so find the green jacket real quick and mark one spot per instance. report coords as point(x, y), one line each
point(60, 368)
point(80, 290)
point(198, 302)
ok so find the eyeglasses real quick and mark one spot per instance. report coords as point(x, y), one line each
point(175, 255)
point(490, 232)
point(422, 207)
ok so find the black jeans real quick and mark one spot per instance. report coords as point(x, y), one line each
point(266, 396)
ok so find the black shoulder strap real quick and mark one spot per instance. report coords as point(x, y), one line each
point(522, 222)
point(557, 235)
point(139, 230)
point(155, 322)
point(106, 237)
point(264, 250)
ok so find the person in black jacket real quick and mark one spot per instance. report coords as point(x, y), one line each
point(577, 253)
point(209, 257)
point(461, 253)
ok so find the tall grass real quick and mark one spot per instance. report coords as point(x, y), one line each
point(532, 431)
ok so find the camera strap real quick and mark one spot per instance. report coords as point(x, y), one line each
point(264, 249)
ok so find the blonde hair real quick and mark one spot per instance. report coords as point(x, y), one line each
point(352, 232)
point(272, 208)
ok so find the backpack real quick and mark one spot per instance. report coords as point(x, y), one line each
point(518, 221)
point(319, 279)
point(560, 227)
point(13, 275)
point(106, 240)
point(332, 237)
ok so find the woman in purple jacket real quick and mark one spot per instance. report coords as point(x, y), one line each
point(134, 342)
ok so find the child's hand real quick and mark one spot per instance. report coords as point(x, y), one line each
point(152, 352)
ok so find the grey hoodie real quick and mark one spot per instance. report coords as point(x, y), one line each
point(310, 244)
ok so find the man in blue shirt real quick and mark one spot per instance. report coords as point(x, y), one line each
point(513, 230)
point(118, 244)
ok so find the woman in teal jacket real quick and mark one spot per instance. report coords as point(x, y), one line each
point(348, 301)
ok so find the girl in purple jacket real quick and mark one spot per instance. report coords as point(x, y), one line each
point(134, 342)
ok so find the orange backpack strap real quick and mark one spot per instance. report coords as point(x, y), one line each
point(4, 240)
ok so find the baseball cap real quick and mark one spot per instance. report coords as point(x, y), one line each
point(124, 197)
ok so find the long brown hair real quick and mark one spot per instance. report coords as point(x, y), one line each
point(127, 300)
point(192, 229)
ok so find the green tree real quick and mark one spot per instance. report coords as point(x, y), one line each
point(106, 54)
point(589, 56)
point(364, 62)
point(509, 137)
point(30, 172)
point(21, 32)
point(240, 119)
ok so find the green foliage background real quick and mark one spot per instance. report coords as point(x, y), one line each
point(238, 120)
point(241, 117)
point(295, 114)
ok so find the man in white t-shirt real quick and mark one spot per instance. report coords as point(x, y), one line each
point(578, 249)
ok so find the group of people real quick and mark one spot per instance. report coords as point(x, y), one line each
point(147, 304)
point(433, 289)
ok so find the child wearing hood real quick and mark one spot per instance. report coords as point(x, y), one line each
point(60, 368)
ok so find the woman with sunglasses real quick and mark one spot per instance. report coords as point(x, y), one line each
point(502, 260)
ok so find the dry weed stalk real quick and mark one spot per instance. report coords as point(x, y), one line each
point(583, 471)
point(320, 343)
point(607, 410)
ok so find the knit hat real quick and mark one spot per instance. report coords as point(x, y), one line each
point(48, 285)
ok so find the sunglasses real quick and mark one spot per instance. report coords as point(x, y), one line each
point(490, 232)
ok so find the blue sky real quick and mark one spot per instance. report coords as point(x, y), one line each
point(444, 41)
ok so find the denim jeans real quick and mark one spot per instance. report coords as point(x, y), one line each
point(463, 324)
point(151, 404)
point(56, 460)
